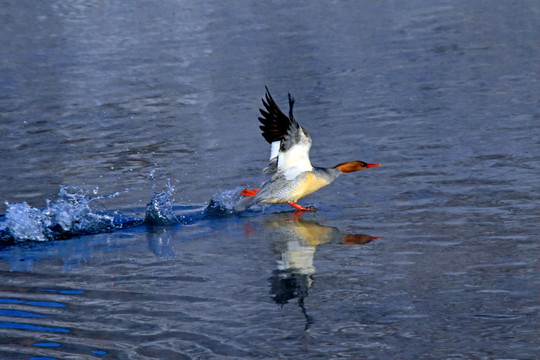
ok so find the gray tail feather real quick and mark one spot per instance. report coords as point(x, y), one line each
point(245, 203)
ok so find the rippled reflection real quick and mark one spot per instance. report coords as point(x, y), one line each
point(294, 241)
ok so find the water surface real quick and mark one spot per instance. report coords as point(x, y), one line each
point(112, 113)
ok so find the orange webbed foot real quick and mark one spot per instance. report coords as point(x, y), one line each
point(248, 192)
point(300, 207)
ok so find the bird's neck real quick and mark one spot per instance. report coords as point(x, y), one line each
point(330, 174)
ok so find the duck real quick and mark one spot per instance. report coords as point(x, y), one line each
point(293, 176)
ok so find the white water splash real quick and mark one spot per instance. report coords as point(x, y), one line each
point(160, 209)
point(223, 202)
point(26, 223)
point(69, 215)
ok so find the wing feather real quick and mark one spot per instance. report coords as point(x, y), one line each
point(275, 124)
point(294, 142)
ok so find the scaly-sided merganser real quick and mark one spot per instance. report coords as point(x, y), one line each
point(294, 176)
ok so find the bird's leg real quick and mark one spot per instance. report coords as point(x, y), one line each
point(248, 192)
point(300, 207)
point(296, 216)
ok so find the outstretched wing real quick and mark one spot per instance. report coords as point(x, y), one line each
point(275, 124)
point(290, 142)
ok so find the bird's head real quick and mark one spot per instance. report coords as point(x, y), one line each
point(351, 166)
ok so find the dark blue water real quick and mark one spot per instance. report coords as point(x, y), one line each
point(128, 128)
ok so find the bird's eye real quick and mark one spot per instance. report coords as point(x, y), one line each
point(364, 164)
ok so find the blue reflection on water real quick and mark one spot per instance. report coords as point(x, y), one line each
point(47, 344)
point(20, 326)
point(65, 292)
point(34, 303)
point(19, 313)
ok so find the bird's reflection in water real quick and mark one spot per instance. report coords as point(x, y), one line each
point(295, 240)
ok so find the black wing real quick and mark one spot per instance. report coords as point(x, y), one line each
point(275, 124)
